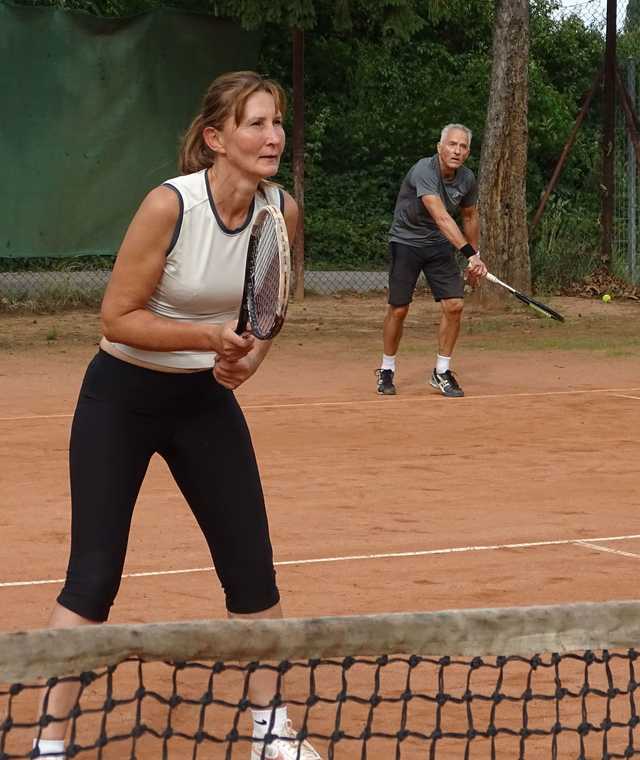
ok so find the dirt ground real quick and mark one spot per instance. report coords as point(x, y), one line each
point(524, 492)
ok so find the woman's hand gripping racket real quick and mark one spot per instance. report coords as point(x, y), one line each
point(540, 308)
point(267, 276)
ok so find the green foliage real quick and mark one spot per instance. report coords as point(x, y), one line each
point(381, 79)
point(52, 298)
point(564, 58)
point(254, 13)
point(565, 248)
point(629, 45)
point(374, 105)
point(632, 17)
point(56, 264)
point(53, 284)
point(109, 8)
point(629, 42)
point(340, 231)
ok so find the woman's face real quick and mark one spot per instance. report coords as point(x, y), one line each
point(255, 144)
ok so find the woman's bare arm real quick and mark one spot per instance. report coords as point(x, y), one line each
point(138, 268)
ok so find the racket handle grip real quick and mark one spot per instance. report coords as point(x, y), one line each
point(492, 278)
point(241, 327)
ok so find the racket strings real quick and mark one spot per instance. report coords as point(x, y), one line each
point(264, 303)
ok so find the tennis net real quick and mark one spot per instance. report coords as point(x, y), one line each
point(527, 683)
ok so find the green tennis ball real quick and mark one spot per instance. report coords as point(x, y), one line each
point(606, 298)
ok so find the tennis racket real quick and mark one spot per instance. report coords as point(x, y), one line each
point(265, 294)
point(540, 308)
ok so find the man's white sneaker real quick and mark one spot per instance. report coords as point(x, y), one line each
point(446, 383)
point(284, 749)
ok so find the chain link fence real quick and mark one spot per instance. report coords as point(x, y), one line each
point(627, 147)
point(85, 287)
point(75, 285)
point(627, 210)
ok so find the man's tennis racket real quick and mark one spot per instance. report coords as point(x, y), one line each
point(267, 276)
point(541, 308)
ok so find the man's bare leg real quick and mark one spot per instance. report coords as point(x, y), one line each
point(392, 328)
point(449, 325)
point(391, 334)
point(442, 378)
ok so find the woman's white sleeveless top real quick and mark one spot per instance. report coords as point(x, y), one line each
point(203, 275)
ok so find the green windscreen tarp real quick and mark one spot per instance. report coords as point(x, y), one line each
point(92, 110)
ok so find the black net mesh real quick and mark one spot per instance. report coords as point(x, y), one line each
point(579, 704)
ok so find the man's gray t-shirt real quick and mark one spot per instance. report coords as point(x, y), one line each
point(412, 223)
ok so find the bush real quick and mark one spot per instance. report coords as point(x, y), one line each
point(565, 247)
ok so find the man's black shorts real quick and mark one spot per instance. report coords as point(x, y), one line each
point(438, 262)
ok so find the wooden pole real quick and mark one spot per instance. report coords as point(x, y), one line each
point(608, 134)
point(298, 160)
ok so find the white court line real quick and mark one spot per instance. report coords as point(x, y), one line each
point(36, 417)
point(622, 395)
point(356, 557)
point(589, 545)
point(433, 398)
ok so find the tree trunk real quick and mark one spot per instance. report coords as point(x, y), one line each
point(503, 163)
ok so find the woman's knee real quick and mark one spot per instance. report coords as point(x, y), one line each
point(247, 593)
point(90, 591)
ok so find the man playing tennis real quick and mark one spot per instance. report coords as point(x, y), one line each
point(423, 238)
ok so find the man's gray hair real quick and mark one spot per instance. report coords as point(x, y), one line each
point(449, 127)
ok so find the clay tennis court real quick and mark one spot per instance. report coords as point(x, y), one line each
point(524, 492)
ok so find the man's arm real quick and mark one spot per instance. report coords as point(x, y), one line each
point(471, 225)
point(446, 223)
point(449, 228)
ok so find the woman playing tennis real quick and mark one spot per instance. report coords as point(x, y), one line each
point(163, 379)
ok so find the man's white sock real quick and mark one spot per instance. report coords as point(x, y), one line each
point(442, 364)
point(388, 362)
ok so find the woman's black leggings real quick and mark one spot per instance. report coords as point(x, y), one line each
point(125, 414)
